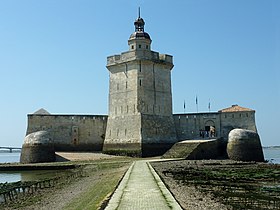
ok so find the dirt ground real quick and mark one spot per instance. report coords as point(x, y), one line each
point(187, 180)
point(62, 195)
point(222, 184)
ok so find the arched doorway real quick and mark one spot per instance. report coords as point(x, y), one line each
point(210, 128)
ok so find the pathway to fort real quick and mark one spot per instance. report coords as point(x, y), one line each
point(141, 188)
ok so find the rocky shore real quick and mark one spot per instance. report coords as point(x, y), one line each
point(222, 184)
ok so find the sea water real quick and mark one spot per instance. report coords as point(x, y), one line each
point(30, 175)
point(7, 157)
point(272, 155)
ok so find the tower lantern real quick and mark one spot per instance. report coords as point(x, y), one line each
point(139, 23)
point(139, 40)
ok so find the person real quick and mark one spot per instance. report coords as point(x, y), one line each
point(200, 133)
point(212, 131)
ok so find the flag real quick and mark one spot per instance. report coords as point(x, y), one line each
point(184, 104)
point(196, 101)
point(209, 105)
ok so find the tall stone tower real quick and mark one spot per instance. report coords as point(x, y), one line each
point(140, 121)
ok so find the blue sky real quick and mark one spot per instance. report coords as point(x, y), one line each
point(53, 56)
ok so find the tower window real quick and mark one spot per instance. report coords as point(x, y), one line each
point(140, 82)
point(139, 46)
point(126, 85)
point(132, 47)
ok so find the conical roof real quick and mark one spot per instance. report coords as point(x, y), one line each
point(41, 112)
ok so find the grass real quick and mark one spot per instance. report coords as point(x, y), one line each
point(97, 195)
point(104, 175)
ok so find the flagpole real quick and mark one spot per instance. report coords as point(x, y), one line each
point(209, 106)
point(196, 101)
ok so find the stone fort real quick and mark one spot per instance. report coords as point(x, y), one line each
point(140, 120)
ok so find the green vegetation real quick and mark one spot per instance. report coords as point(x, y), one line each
point(240, 185)
point(109, 175)
point(98, 193)
point(102, 177)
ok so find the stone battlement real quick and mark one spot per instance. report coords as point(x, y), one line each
point(71, 132)
point(139, 55)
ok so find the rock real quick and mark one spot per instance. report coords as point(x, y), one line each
point(244, 145)
point(38, 147)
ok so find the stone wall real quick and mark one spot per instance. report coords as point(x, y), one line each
point(232, 120)
point(188, 125)
point(158, 134)
point(197, 149)
point(123, 135)
point(71, 132)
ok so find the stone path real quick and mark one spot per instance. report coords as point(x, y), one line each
point(141, 188)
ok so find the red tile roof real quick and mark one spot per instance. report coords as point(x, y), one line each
point(236, 108)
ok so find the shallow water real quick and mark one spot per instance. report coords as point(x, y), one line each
point(14, 176)
point(7, 157)
point(272, 155)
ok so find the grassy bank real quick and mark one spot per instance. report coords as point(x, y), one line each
point(107, 176)
point(90, 190)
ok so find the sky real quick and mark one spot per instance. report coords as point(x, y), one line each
point(53, 55)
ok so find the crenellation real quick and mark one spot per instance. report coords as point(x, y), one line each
point(140, 121)
point(70, 132)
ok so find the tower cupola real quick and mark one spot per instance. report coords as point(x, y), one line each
point(139, 24)
point(139, 40)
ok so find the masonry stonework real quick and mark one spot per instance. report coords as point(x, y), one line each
point(188, 126)
point(140, 120)
point(71, 132)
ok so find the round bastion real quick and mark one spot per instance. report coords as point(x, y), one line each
point(38, 147)
point(244, 145)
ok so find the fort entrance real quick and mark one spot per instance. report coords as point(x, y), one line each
point(210, 128)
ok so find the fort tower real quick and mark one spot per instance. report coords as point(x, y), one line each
point(140, 120)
